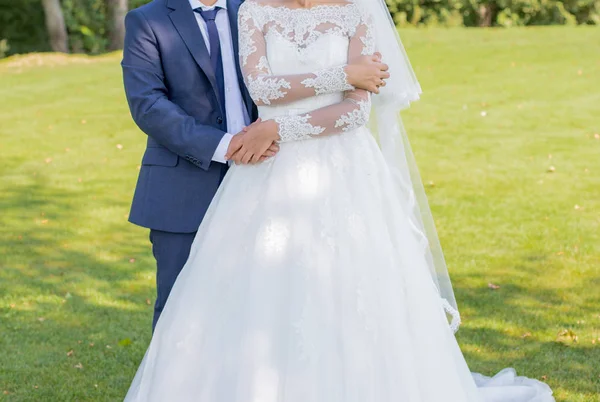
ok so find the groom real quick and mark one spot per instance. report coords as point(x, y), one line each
point(185, 90)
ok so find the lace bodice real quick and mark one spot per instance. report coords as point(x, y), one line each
point(294, 61)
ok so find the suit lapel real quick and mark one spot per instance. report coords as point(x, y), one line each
point(184, 20)
point(233, 7)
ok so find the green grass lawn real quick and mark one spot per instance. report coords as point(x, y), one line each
point(507, 136)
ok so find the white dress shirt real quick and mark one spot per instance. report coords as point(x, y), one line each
point(237, 114)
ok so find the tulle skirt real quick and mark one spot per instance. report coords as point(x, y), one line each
point(306, 284)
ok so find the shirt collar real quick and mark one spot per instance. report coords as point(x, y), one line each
point(198, 4)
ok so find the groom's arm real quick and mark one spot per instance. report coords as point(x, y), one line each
point(151, 109)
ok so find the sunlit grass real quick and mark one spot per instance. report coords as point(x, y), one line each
point(500, 108)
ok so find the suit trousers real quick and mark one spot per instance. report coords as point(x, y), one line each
point(171, 251)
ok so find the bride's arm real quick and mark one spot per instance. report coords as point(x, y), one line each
point(267, 88)
point(350, 114)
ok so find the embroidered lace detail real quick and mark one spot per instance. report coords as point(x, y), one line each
point(356, 118)
point(329, 81)
point(267, 89)
point(369, 45)
point(263, 65)
point(247, 44)
point(295, 128)
point(287, 98)
point(300, 26)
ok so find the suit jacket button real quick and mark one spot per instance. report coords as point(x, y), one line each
point(219, 120)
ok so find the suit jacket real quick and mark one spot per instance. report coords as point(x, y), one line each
point(174, 98)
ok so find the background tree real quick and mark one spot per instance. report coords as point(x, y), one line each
point(55, 24)
point(116, 23)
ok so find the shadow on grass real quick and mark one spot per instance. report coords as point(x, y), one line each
point(511, 327)
point(67, 284)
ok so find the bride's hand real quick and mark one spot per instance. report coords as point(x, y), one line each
point(256, 144)
point(368, 73)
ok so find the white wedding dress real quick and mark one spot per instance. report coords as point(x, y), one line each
point(305, 282)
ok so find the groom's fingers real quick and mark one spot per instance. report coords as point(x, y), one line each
point(274, 148)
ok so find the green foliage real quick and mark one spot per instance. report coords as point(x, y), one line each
point(494, 12)
point(86, 24)
point(22, 23)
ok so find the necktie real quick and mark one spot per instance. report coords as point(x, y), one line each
point(215, 51)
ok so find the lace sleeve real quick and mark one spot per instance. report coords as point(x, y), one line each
point(353, 112)
point(269, 89)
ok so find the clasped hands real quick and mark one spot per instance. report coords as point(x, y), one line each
point(259, 141)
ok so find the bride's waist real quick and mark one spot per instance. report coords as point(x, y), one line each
point(299, 107)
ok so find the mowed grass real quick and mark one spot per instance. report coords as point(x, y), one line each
point(500, 108)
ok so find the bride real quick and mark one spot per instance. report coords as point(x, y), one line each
point(317, 276)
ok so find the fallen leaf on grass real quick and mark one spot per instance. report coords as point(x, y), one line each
point(48, 160)
point(119, 146)
point(78, 366)
point(551, 169)
point(70, 353)
point(526, 335)
point(493, 286)
point(567, 334)
point(125, 342)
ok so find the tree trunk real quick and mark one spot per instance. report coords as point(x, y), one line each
point(55, 24)
point(116, 29)
point(485, 14)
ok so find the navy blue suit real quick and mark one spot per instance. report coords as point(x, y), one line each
point(174, 98)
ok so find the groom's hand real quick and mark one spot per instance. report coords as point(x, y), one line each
point(368, 73)
point(256, 143)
